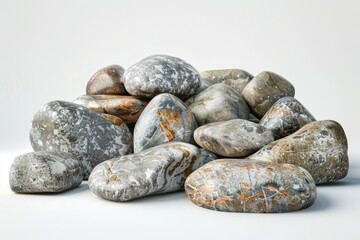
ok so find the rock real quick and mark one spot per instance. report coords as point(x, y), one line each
point(127, 108)
point(205, 83)
point(319, 147)
point(207, 156)
point(45, 172)
point(218, 103)
point(165, 119)
point(264, 90)
point(286, 116)
point(254, 119)
point(68, 127)
point(162, 74)
point(233, 138)
point(114, 119)
point(157, 170)
point(108, 80)
point(233, 185)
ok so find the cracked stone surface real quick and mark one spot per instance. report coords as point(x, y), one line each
point(45, 172)
point(234, 185)
point(156, 170)
point(320, 147)
point(67, 127)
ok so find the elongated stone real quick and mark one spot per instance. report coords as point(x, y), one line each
point(320, 147)
point(162, 74)
point(218, 103)
point(233, 185)
point(233, 138)
point(264, 90)
point(286, 116)
point(127, 108)
point(68, 127)
point(157, 170)
point(108, 80)
point(45, 172)
point(114, 119)
point(165, 119)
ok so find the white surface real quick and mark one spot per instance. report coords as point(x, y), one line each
point(50, 49)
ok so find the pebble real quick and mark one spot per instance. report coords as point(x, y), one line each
point(45, 172)
point(114, 119)
point(233, 185)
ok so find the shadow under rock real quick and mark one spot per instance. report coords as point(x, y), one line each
point(347, 181)
point(322, 203)
point(164, 197)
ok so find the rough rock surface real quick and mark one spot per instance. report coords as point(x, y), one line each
point(319, 147)
point(218, 103)
point(264, 90)
point(162, 74)
point(68, 127)
point(233, 185)
point(157, 170)
point(286, 116)
point(45, 172)
point(233, 138)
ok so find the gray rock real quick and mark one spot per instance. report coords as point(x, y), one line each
point(207, 156)
point(254, 119)
point(68, 127)
point(162, 74)
point(45, 172)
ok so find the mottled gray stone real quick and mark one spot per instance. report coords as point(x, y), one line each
point(68, 127)
point(254, 119)
point(162, 74)
point(207, 156)
point(218, 103)
point(233, 138)
point(233, 185)
point(205, 83)
point(157, 170)
point(264, 90)
point(165, 119)
point(45, 172)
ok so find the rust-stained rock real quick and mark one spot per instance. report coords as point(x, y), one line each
point(233, 185)
point(114, 119)
point(319, 147)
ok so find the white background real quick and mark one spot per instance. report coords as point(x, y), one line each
point(49, 49)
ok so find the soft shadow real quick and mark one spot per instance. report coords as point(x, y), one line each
point(159, 198)
point(322, 203)
point(347, 181)
point(81, 188)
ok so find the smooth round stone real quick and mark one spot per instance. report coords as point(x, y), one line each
point(165, 119)
point(45, 172)
point(68, 127)
point(108, 80)
point(286, 116)
point(114, 119)
point(157, 170)
point(127, 108)
point(264, 90)
point(233, 185)
point(218, 103)
point(233, 138)
point(162, 74)
point(320, 147)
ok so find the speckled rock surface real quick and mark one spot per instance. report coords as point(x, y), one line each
point(233, 138)
point(162, 74)
point(218, 103)
point(264, 90)
point(45, 172)
point(232, 185)
point(286, 116)
point(68, 127)
point(165, 119)
point(157, 170)
point(108, 80)
point(319, 147)
point(127, 108)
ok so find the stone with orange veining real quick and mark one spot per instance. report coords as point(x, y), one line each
point(235, 185)
point(114, 119)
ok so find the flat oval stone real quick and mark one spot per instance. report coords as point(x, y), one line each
point(233, 185)
point(264, 90)
point(320, 147)
point(218, 103)
point(165, 119)
point(286, 116)
point(127, 108)
point(162, 74)
point(67, 127)
point(108, 80)
point(157, 170)
point(45, 172)
point(233, 138)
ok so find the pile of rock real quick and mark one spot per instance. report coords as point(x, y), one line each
point(235, 142)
